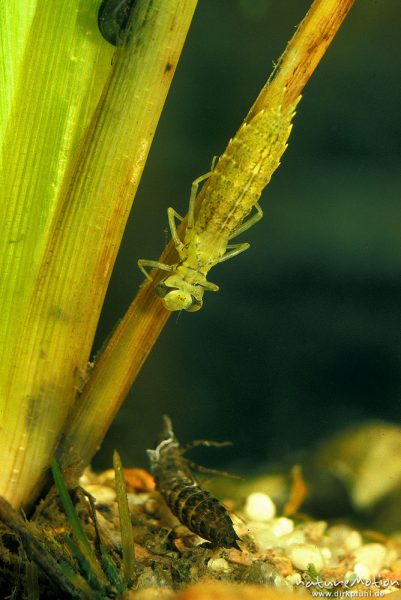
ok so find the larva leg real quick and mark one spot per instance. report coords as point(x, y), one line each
point(217, 472)
point(234, 250)
point(192, 198)
point(153, 264)
point(249, 223)
point(210, 287)
point(214, 161)
point(172, 215)
point(209, 443)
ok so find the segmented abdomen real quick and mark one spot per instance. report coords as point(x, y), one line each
point(244, 169)
point(198, 510)
point(194, 507)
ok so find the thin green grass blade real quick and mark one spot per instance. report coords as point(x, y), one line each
point(111, 570)
point(82, 586)
point(84, 564)
point(82, 542)
point(127, 538)
point(69, 508)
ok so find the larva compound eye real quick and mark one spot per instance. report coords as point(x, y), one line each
point(162, 289)
point(196, 304)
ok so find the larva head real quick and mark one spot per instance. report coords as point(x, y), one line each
point(166, 442)
point(178, 294)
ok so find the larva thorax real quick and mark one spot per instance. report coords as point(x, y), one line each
point(195, 507)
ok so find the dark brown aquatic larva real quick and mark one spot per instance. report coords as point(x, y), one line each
point(195, 508)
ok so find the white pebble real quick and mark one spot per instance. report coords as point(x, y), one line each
point(102, 493)
point(293, 538)
point(391, 556)
point(303, 555)
point(136, 499)
point(259, 507)
point(262, 535)
point(218, 564)
point(353, 541)
point(282, 526)
point(361, 571)
point(326, 553)
point(372, 556)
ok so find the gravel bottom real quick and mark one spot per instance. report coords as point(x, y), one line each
point(279, 554)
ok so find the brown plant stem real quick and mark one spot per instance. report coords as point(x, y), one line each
point(121, 359)
point(303, 53)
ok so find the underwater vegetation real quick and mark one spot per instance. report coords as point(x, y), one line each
point(78, 115)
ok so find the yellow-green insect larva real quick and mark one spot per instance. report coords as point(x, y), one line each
point(233, 190)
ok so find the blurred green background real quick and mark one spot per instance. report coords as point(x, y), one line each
point(304, 335)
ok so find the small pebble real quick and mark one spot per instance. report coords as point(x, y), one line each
point(259, 507)
point(269, 535)
point(353, 541)
point(263, 536)
point(137, 499)
point(139, 480)
point(371, 556)
point(262, 573)
point(339, 533)
point(102, 494)
point(303, 555)
point(314, 530)
point(295, 537)
point(105, 477)
point(361, 571)
point(326, 553)
point(282, 526)
point(219, 564)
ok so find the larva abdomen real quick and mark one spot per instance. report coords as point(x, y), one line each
point(243, 170)
point(198, 510)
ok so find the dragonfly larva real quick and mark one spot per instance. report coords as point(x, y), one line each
point(233, 189)
point(194, 507)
